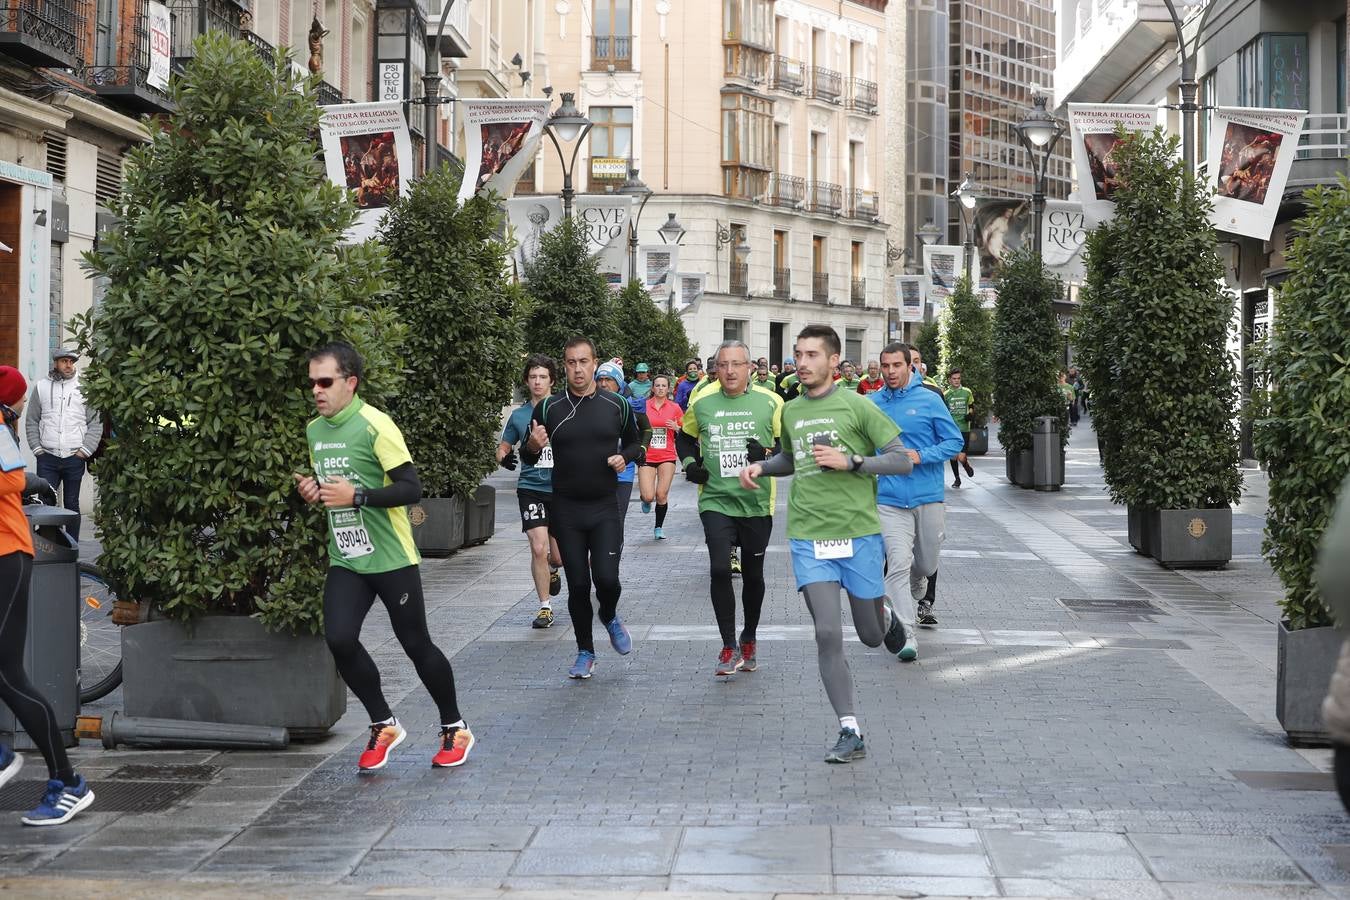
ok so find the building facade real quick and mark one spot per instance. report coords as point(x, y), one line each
point(1262, 53)
point(762, 126)
point(927, 141)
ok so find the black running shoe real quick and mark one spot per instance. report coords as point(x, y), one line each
point(848, 748)
point(926, 616)
point(554, 583)
point(895, 635)
point(970, 470)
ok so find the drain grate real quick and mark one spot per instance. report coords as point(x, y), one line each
point(113, 796)
point(1118, 609)
point(164, 773)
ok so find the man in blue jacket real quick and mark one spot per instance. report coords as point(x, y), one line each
point(912, 513)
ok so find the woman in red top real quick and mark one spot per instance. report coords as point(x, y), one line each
point(66, 793)
point(658, 469)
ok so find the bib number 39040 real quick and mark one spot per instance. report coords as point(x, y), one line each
point(349, 532)
point(834, 549)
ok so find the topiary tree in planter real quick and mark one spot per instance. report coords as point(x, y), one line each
point(929, 343)
point(1302, 419)
point(227, 268)
point(649, 334)
point(1155, 334)
point(967, 344)
point(568, 295)
point(1027, 345)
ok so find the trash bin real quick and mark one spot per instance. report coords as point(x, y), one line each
point(1047, 458)
point(51, 653)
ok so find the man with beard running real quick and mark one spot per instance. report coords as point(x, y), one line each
point(594, 435)
point(723, 431)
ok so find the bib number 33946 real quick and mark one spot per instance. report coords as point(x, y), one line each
point(839, 549)
point(349, 532)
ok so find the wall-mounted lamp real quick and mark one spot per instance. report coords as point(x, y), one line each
point(40, 217)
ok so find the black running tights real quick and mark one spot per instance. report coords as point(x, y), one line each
point(16, 690)
point(590, 540)
point(347, 599)
point(751, 534)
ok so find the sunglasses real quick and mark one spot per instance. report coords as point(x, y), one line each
point(324, 382)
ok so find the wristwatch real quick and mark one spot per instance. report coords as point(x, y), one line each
point(855, 462)
point(358, 497)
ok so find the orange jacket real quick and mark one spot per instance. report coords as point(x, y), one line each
point(15, 533)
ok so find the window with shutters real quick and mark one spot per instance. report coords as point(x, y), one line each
point(108, 183)
point(56, 154)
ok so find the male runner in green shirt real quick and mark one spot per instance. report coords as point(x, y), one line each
point(364, 476)
point(961, 404)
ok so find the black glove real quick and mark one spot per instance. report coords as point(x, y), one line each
point(509, 460)
point(33, 486)
point(696, 473)
point(755, 452)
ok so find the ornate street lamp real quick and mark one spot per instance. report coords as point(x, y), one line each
point(1039, 132)
point(672, 232)
point(636, 189)
point(568, 125)
point(969, 194)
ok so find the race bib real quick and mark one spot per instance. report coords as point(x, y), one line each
point(731, 462)
point(659, 439)
point(545, 458)
point(349, 532)
point(834, 549)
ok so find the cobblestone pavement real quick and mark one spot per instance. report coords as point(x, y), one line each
point(1122, 747)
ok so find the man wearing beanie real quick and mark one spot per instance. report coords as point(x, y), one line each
point(63, 431)
point(66, 793)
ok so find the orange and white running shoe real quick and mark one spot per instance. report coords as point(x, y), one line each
point(383, 739)
point(455, 746)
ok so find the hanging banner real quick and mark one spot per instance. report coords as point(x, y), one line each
point(160, 28)
point(1063, 235)
point(1005, 225)
point(603, 218)
point(911, 293)
point(943, 263)
point(530, 219)
point(1094, 142)
point(657, 263)
point(690, 286)
point(366, 149)
point(1250, 154)
point(500, 141)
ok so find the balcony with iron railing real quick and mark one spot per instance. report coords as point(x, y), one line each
point(820, 287)
point(858, 292)
point(189, 19)
point(826, 84)
point(611, 51)
point(862, 95)
point(785, 190)
point(127, 81)
point(43, 32)
point(740, 279)
point(266, 52)
point(454, 40)
point(865, 205)
point(823, 197)
point(326, 94)
point(788, 74)
point(782, 284)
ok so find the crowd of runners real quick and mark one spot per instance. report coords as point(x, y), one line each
point(865, 515)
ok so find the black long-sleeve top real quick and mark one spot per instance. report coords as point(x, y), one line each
point(584, 432)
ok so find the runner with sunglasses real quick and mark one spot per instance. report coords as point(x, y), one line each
point(365, 478)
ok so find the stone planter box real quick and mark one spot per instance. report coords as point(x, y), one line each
point(438, 524)
point(229, 669)
point(1191, 538)
point(481, 521)
point(1137, 520)
point(979, 441)
point(1019, 468)
point(1306, 658)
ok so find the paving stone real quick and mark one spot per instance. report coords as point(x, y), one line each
point(1216, 858)
point(599, 850)
point(444, 867)
point(447, 837)
point(1096, 888)
point(763, 883)
point(916, 886)
point(1063, 855)
point(908, 851)
point(741, 850)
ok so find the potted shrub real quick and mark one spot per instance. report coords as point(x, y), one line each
point(1026, 359)
point(1302, 439)
point(650, 334)
point(929, 343)
point(462, 353)
point(966, 343)
point(568, 295)
point(226, 270)
point(1156, 350)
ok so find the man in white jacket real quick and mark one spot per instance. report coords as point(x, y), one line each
point(63, 431)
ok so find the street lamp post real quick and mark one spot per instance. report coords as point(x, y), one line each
point(431, 90)
point(968, 194)
point(568, 124)
point(1189, 89)
point(636, 189)
point(1039, 132)
point(671, 232)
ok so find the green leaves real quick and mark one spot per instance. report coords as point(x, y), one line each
point(1027, 346)
point(1152, 336)
point(1301, 407)
point(929, 343)
point(226, 271)
point(568, 296)
point(647, 334)
point(464, 341)
point(967, 344)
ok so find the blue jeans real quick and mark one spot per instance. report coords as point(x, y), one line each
point(64, 474)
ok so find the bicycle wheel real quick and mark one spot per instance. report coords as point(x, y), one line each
point(100, 639)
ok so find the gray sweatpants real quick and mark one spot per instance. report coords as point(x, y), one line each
point(913, 542)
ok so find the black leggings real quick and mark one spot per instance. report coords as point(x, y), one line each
point(590, 539)
point(751, 534)
point(16, 690)
point(347, 598)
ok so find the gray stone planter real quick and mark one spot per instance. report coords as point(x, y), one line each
point(1019, 469)
point(438, 524)
point(1191, 538)
point(482, 516)
point(230, 669)
point(1137, 520)
point(979, 441)
point(1306, 658)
